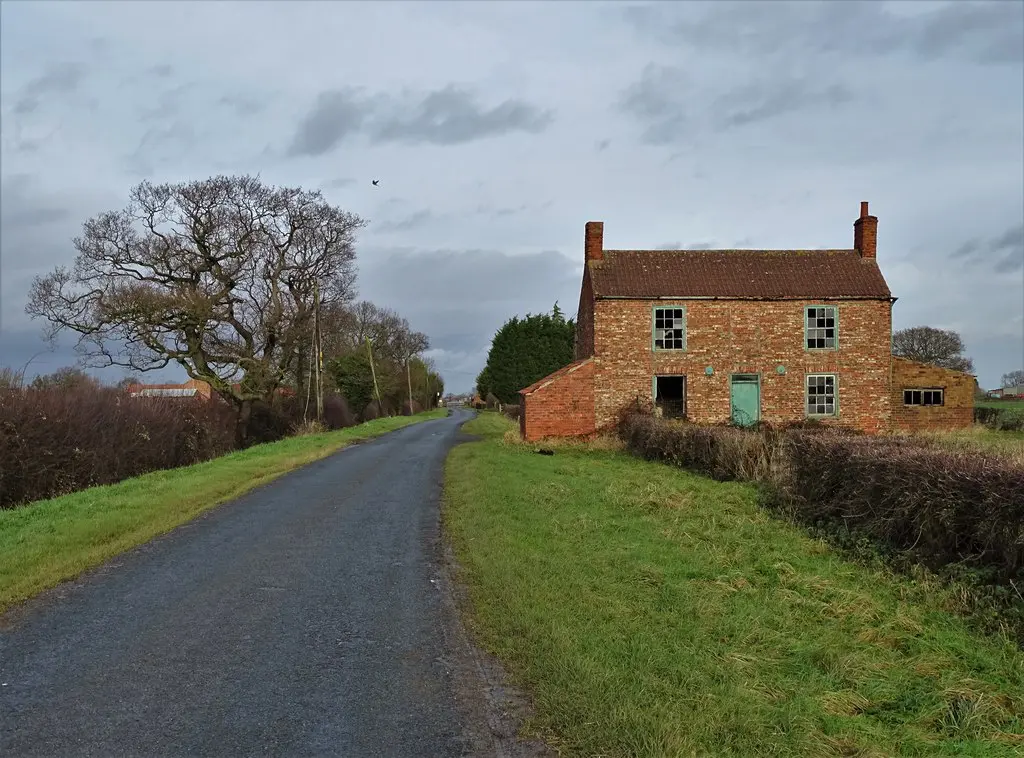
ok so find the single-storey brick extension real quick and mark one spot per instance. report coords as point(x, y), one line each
point(747, 335)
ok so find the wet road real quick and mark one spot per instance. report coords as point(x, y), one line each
point(304, 618)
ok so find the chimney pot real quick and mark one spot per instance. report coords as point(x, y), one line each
point(593, 241)
point(864, 209)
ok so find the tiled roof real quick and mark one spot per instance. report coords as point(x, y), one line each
point(761, 274)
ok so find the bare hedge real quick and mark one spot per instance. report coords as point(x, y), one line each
point(53, 442)
point(57, 441)
point(946, 506)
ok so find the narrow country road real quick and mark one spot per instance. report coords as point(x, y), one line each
point(306, 618)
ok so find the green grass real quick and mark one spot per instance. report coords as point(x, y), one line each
point(50, 541)
point(979, 437)
point(653, 612)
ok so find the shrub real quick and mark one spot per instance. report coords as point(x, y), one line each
point(512, 411)
point(337, 413)
point(53, 442)
point(947, 506)
point(411, 411)
point(912, 494)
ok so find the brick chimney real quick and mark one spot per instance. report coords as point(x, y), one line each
point(593, 244)
point(865, 233)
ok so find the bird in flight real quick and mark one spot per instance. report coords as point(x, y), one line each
point(375, 182)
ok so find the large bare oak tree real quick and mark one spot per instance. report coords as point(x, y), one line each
point(217, 276)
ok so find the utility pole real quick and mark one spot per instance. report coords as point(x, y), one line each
point(373, 372)
point(318, 347)
point(408, 377)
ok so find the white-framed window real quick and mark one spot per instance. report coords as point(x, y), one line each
point(669, 327)
point(923, 396)
point(821, 395)
point(821, 327)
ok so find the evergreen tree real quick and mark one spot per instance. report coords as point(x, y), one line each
point(525, 350)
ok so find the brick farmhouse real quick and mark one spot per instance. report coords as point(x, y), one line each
point(743, 335)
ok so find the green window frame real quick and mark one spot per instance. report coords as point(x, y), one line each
point(668, 328)
point(821, 395)
point(821, 327)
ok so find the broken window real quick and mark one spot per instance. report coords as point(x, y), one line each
point(821, 395)
point(669, 329)
point(820, 327)
point(929, 396)
point(670, 395)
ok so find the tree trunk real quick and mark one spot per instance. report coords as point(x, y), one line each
point(244, 416)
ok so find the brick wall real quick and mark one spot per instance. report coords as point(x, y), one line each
point(584, 345)
point(745, 337)
point(559, 405)
point(957, 410)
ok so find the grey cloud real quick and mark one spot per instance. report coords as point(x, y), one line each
point(765, 100)
point(59, 78)
point(452, 116)
point(662, 100)
point(603, 145)
point(447, 116)
point(161, 70)
point(512, 210)
point(1004, 253)
point(658, 98)
point(243, 105)
point(985, 33)
point(413, 221)
point(1011, 247)
point(334, 116)
point(340, 182)
point(22, 207)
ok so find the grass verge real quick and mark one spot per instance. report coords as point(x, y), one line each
point(979, 437)
point(653, 612)
point(50, 541)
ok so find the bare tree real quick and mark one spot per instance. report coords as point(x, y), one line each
point(1013, 379)
point(926, 344)
point(216, 276)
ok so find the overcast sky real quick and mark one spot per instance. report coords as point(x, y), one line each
point(498, 129)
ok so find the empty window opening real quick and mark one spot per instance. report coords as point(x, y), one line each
point(669, 329)
point(821, 395)
point(929, 396)
point(670, 395)
point(820, 328)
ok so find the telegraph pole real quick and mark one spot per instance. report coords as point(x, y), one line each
point(373, 372)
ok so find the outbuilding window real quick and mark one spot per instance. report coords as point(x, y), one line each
point(924, 396)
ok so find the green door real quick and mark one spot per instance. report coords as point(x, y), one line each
point(745, 394)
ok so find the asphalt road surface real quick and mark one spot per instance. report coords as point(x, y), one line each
point(305, 618)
